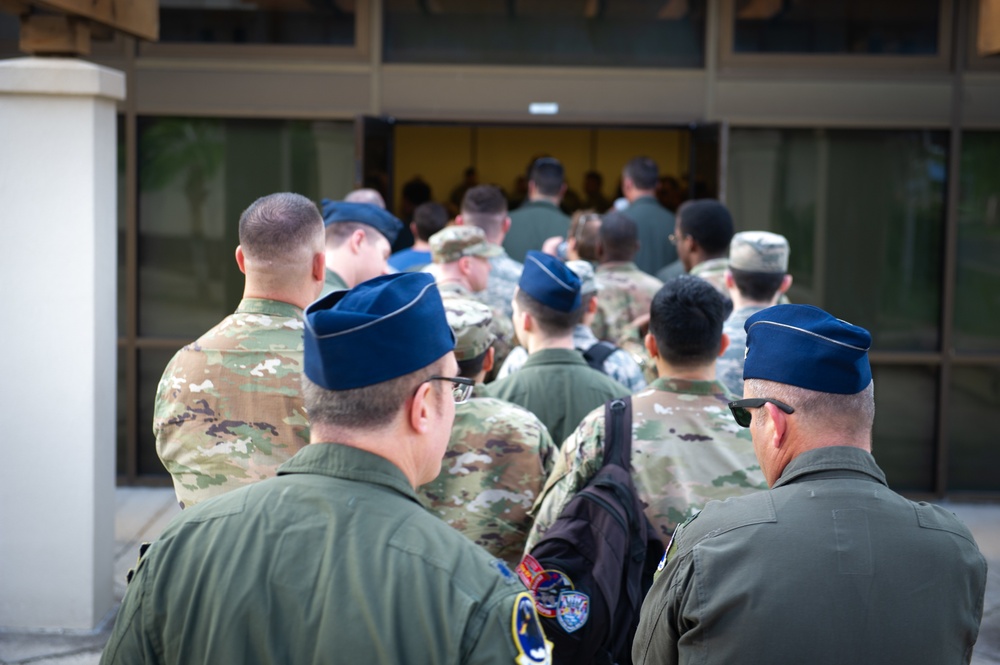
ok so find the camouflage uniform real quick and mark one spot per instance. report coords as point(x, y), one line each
point(713, 271)
point(620, 365)
point(228, 409)
point(729, 368)
point(686, 451)
point(333, 282)
point(497, 460)
point(501, 326)
point(625, 293)
point(504, 275)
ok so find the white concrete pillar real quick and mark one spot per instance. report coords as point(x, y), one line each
point(57, 341)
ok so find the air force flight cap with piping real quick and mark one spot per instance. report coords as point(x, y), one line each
point(381, 329)
point(801, 345)
point(547, 279)
point(335, 212)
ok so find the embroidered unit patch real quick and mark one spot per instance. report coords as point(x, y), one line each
point(532, 647)
point(573, 610)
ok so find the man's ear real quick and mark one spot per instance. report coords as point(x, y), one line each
point(419, 411)
point(458, 221)
point(779, 425)
point(319, 266)
point(592, 305)
point(488, 360)
point(241, 259)
point(527, 321)
point(358, 238)
point(465, 265)
point(723, 344)
point(730, 282)
point(651, 347)
point(786, 283)
point(506, 224)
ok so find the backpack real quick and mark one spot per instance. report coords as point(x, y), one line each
point(598, 353)
point(591, 570)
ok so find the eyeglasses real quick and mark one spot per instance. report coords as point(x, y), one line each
point(743, 416)
point(461, 389)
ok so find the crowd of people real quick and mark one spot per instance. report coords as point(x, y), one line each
point(371, 446)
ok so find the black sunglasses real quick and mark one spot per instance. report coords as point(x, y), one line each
point(742, 414)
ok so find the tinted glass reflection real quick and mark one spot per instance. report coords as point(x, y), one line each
point(864, 215)
point(196, 176)
point(977, 281)
point(869, 27)
point(636, 33)
point(973, 456)
point(903, 440)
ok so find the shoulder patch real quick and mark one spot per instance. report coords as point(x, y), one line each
point(526, 629)
point(573, 610)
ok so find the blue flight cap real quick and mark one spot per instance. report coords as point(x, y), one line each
point(547, 279)
point(362, 213)
point(801, 345)
point(381, 329)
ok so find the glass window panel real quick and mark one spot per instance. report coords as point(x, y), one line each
point(977, 280)
point(122, 241)
point(196, 177)
point(903, 439)
point(151, 366)
point(257, 22)
point(634, 33)
point(864, 215)
point(973, 405)
point(869, 27)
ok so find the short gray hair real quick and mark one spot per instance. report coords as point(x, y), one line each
point(851, 414)
point(369, 407)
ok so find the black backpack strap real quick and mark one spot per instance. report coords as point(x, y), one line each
point(598, 353)
point(618, 432)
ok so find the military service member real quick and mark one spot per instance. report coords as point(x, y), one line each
point(539, 218)
point(702, 233)
point(848, 570)
point(555, 383)
point(461, 265)
point(756, 279)
point(228, 409)
point(485, 207)
point(499, 454)
point(335, 560)
point(654, 222)
point(607, 357)
point(626, 291)
point(359, 238)
point(685, 449)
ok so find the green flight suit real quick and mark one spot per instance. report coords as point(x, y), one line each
point(531, 225)
point(333, 561)
point(828, 567)
point(559, 387)
point(655, 224)
point(333, 282)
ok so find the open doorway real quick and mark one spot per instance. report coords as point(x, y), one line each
point(450, 156)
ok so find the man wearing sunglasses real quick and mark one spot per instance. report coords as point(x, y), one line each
point(848, 570)
point(335, 560)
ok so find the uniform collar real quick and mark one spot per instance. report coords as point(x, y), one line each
point(335, 280)
point(555, 357)
point(342, 461)
point(710, 266)
point(539, 203)
point(832, 458)
point(688, 386)
point(269, 307)
point(645, 199)
point(617, 266)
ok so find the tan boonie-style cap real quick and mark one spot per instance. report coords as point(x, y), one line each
point(585, 271)
point(453, 242)
point(470, 322)
point(759, 251)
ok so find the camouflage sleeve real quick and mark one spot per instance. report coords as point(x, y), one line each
point(161, 405)
point(575, 464)
point(515, 359)
point(621, 367)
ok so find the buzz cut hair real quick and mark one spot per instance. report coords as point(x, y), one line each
point(279, 226)
point(548, 175)
point(643, 172)
point(485, 207)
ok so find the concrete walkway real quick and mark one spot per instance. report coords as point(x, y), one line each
point(142, 513)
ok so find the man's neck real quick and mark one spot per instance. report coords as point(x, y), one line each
point(739, 302)
point(554, 200)
point(687, 373)
point(636, 194)
point(299, 297)
point(421, 246)
point(536, 343)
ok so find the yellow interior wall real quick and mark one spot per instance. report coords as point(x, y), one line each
point(440, 154)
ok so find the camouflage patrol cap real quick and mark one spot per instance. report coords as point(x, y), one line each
point(470, 322)
point(585, 271)
point(453, 242)
point(759, 251)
